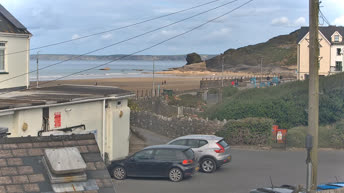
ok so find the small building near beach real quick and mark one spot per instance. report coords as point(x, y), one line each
point(57, 110)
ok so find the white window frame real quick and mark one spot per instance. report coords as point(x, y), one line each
point(5, 65)
point(336, 38)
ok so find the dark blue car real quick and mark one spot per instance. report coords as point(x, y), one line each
point(173, 161)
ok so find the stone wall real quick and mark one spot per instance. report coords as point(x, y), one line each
point(158, 106)
point(172, 126)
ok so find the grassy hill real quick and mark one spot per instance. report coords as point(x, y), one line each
point(286, 104)
point(278, 51)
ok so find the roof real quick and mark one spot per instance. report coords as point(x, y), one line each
point(206, 137)
point(9, 24)
point(58, 94)
point(22, 169)
point(181, 147)
point(326, 31)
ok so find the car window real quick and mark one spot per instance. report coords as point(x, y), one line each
point(144, 155)
point(165, 155)
point(193, 143)
point(223, 143)
point(202, 143)
point(179, 142)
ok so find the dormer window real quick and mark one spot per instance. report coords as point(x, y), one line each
point(336, 38)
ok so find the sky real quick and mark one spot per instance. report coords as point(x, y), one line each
point(60, 20)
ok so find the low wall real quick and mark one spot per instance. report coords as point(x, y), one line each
point(172, 126)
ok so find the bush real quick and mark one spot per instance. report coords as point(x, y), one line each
point(331, 136)
point(186, 100)
point(287, 104)
point(249, 131)
point(229, 91)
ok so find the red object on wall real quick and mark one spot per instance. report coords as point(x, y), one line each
point(279, 135)
point(57, 119)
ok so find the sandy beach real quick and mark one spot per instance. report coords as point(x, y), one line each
point(139, 83)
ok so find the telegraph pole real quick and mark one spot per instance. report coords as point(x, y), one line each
point(37, 73)
point(313, 104)
point(153, 77)
point(222, 62)
point(261, 70)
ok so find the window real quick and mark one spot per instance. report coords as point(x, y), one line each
point(144, 155)
point(168, 155)
point(193, 143)
point(339, 66)
point(223, 143)
point(2, 59)
point(336, 38)
point(339, 51)
point(202, 143)
point(179, 142)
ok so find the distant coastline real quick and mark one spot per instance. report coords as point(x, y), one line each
point(61, 57)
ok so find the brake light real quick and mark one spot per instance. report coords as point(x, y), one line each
point(187, 162)
point(221, 150)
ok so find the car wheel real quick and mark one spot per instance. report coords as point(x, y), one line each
point(208, 165)
point(175, 175)
point(119, 173)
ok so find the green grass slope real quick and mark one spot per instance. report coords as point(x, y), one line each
point(286, 104)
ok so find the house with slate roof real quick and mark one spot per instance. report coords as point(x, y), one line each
point(57, 110)
point(331, 51)
point(26, 165)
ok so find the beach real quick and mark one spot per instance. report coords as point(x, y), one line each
point(137, 83)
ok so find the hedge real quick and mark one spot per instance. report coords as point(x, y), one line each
point(249, 131)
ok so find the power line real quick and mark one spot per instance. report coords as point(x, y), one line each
point(119, 42)
point(324, 18)
point(115, 29)
point(150, 47)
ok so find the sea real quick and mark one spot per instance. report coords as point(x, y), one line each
point(82, 69)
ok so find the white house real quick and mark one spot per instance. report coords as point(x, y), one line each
point(331, 51)
point(57, 110)
point(14, 54)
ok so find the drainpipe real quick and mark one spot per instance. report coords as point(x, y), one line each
point(104, 127)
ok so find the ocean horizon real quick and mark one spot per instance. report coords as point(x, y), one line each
point(117, 69)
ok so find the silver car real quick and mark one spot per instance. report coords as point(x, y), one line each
point(211, 151)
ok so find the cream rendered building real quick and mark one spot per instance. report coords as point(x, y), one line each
point(331, 51)
point(57, 110)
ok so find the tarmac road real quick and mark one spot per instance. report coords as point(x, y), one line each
point(249, 169)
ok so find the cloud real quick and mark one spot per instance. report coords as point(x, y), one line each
point(285, 22)
point(300, 21)
point(75, 36)
point(282, 21)
point(339, 21)
point(106, 36)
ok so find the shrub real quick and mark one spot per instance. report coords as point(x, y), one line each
point(229, 91)
point(186, 100)
point(286, 104)
point(249, 131)
point(330, 136)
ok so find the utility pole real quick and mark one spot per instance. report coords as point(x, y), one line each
point(153, 77)
point(313, 104)
point(261, 70)
point(37, 72)
point(222, 62)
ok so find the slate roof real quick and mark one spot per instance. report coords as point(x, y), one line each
point(58, 94)
point(326, 31)
point(9, 24)
point(22, 170)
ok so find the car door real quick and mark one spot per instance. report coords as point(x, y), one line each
point(163, 160)
point(198, 147)
point(140, 163)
